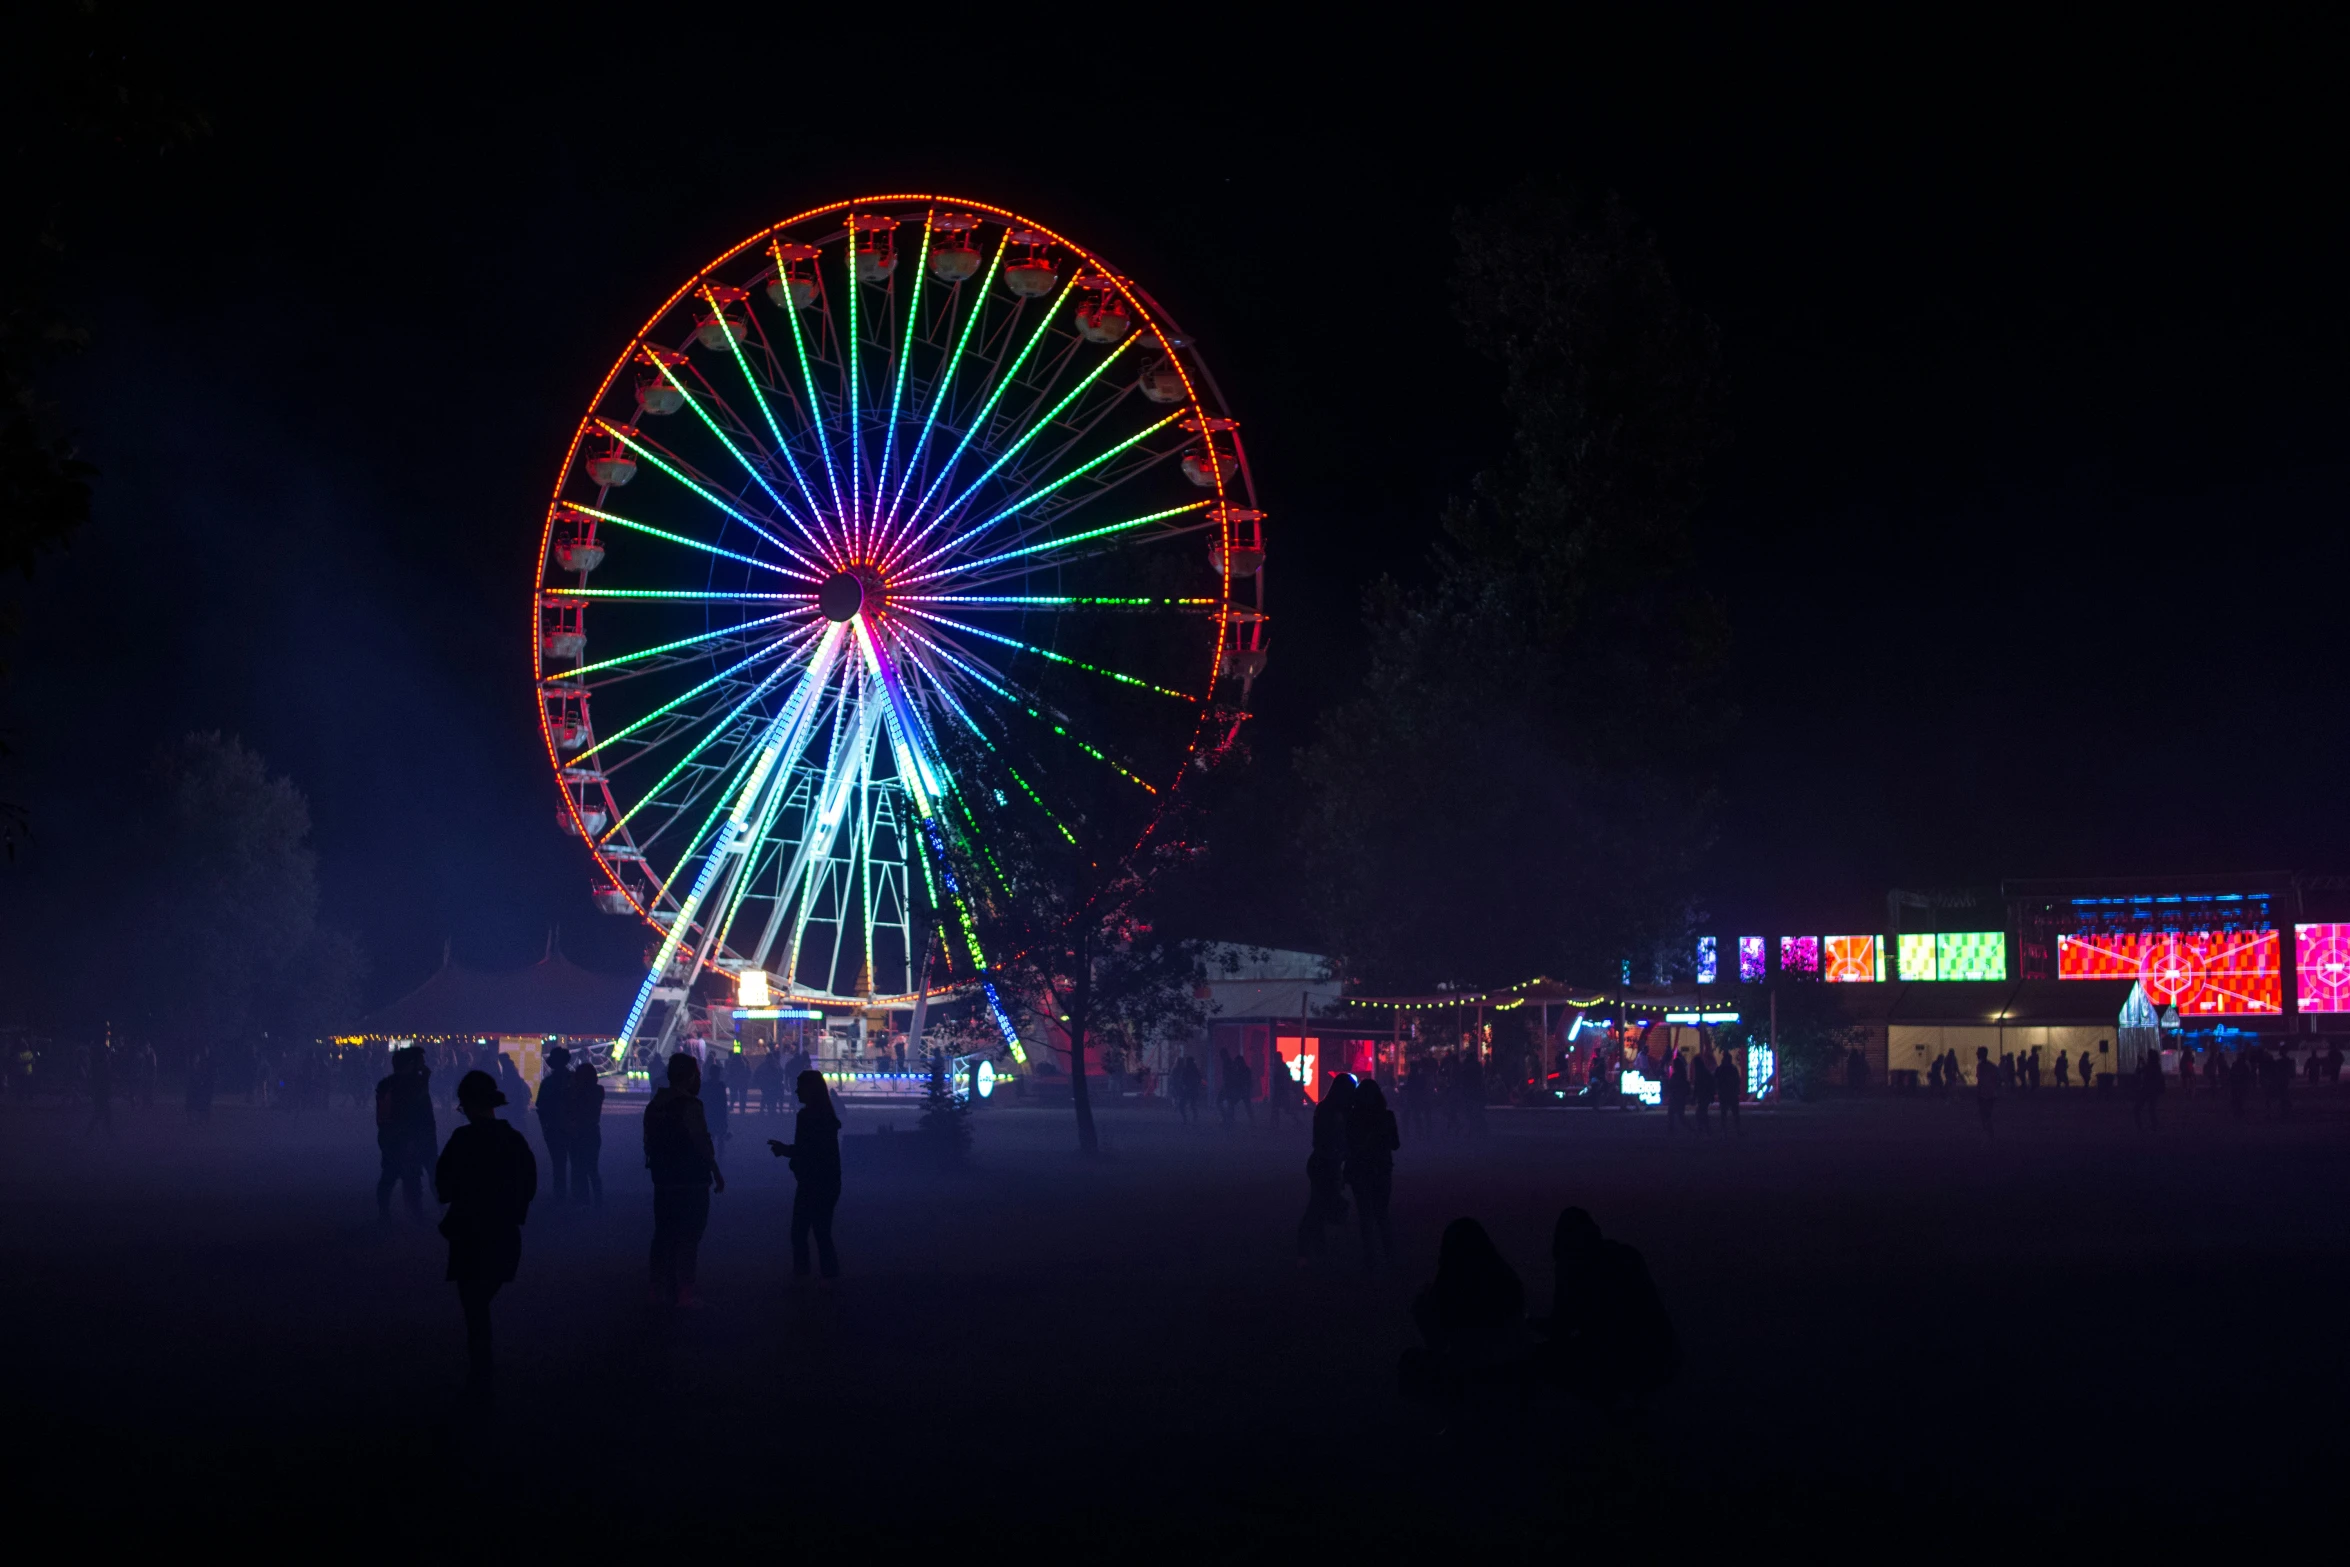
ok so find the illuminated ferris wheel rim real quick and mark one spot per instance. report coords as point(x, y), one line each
point(864, 577)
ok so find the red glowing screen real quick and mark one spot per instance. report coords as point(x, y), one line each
point(2321, 956)
point(2202, 973)
point(1852, 960)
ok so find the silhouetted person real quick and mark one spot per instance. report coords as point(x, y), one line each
point(1371, 1144)
point(488, 1177)
point(1856, 1070)
point(714, 1101)
point(768, 1079)
point(1701, 1087)
point(1187, 1086)
point(555, 1120)
point(1284, 1094)
point(2147, 1099)
point(814, 1152)
point(1419, 1099)
point(583, 1108)
point(1986, 1087)
point(1472, 1320)
point(1326, 1168)
point(2064, 1070)
point(1610, 1339)
point(2239, 1082)
point(404, 1132)
point(684, 1165)
point(1729, 1088)
point(98, 1077)
point(1676, 1092)
point(2276, 1071)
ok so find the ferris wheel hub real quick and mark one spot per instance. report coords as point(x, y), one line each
point(841, 596)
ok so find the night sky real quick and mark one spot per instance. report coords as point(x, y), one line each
point(2031, 528)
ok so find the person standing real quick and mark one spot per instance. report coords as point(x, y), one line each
point(1729, 1088)
point(1371, 1144)
point(1701, 1084)
point(404, 1132)
point(1986, 1088)
point(714, 1101)
point(583, 1110)
point(1326, 1167)
point(2064, 1069)
point(767, 1077)
point(2148, 1098)
point(555, 1120)
point(685, 1171)
point(1280, 1089)
point(488, 1177)
point(1676, 1092)
point(814, 1152)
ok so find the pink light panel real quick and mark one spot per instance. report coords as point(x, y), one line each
point(2202, 973)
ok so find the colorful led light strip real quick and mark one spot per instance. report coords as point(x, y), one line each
point(978, 423)
point(889, 438)
point(954, 362)
point(1058, 658)
point(708, 739)
point(1054, 544)
point(732, 450)
point(766, 412)
point(1036, 429)
point(1034, 496)
point(692, 544)
point(799, 343)
point(771, 650)
point(671, 647)
point(646, 452)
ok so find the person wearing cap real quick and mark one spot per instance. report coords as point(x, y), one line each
point(555, 1119)
point(685, 1169)
point(488, 1176)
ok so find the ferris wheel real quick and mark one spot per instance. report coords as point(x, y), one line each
point(901, 515)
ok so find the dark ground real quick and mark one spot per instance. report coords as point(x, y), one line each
point(1896, 1339)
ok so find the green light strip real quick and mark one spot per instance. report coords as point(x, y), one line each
point(1017, 700)
point(1041, 425)
point(986, 411)
point(744, 364)
point(1058, 658)
point(1053, 544)
point(671, 647)
point(938, 397)
point(736, 513)
point(732, 450)
point(897, 388)
point(688, 593)
point(700, 746)
point(670, 706)
point(799, 343)
point(678, 538)
point(1031, 499)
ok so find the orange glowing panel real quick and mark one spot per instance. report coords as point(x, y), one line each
point(1852, 960)
point(2202, 973)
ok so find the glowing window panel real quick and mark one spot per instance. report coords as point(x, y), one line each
point(1708, 963)
point(1799, 954)
point(2202, 973)
point(1853, 960)
point(2321, 956)
point(1914, 956)
point(1970, 954)
point(1753, 954)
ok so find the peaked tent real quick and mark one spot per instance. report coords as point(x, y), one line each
point(553, 997)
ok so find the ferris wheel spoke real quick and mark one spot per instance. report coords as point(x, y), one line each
point(978, 421)
point(677, 471)
point(1106, 531)
point(651, 532)
point(767, 412)
point(709, 738)
point(1033, 705)
point(946, 378)
point(897, 388)
point(954, 507)
point(1057, 658)
point(799, 341)
point(1035, 496)
point(758, 477)
point(671, 647)
point(696, 595)
point(775, 649)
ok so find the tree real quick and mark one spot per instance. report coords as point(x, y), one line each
point(225, 932)
point(1521, 785)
